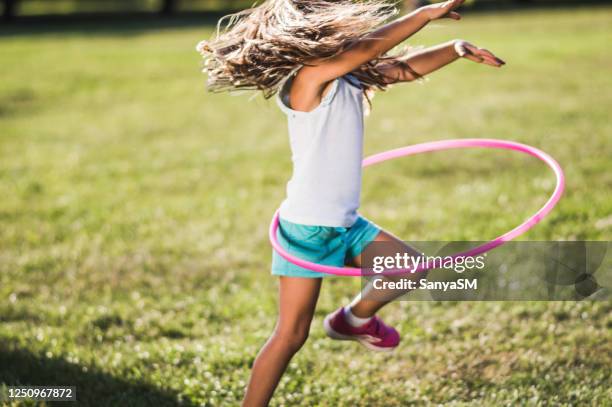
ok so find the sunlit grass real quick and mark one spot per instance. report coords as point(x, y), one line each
point(133, 246)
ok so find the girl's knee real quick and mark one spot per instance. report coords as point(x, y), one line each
point(291, 339)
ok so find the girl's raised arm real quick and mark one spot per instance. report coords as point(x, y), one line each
point(431, 59)
point(377, 43)
point(312, 80)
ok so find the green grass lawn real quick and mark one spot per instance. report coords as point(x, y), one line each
point(134, 260)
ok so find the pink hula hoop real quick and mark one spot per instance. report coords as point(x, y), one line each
point(437, 146)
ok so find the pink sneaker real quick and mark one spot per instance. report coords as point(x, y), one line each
point(374, 335)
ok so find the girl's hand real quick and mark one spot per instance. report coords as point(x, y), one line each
point(479, 55)
point(443, 10)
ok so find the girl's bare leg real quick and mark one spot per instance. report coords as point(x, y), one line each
point(369, 301)
point(297, 301)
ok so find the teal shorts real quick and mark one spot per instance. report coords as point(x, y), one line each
point(331, 246)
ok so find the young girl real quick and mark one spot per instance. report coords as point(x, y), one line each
point(323, 58)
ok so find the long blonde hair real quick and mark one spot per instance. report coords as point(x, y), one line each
point(260, 47)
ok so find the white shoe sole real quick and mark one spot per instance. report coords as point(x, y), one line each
point(335, 335)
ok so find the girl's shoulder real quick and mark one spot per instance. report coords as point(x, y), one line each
point(346, 82)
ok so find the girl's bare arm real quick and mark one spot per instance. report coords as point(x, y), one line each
point(312, 79)
point(431, 59)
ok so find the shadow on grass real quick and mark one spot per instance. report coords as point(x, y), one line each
point(132, 23)
point(107, 24)
point(93, 387)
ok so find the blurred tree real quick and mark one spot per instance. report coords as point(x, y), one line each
point(9, 9)
point(168, 7)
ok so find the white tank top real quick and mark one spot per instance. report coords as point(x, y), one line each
point(327, 149)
